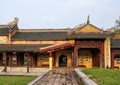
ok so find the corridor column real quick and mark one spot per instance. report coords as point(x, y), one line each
point(74, 58)
point(107, 52)
point(102, 55)
point(10, 60)
point(51, 61)
point(4, 55)
point(27, 56)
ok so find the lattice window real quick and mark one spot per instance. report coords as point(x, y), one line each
point(117, 58)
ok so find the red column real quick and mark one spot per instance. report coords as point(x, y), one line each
point(21, 57)
point(1, 59)
point(30, 57)
point(34, 60)
point(102, 55)
point(74, 58)
point(30, 61)
point(17, 60)
point(51, 55)
point(10, 60)
point(53, 60)
point(112, 59)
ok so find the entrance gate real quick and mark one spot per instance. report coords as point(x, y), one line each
point(63, 61)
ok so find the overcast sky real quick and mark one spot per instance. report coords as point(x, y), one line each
point(59, 13)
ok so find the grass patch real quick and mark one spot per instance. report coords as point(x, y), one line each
point(16, 80)
point(104, 76)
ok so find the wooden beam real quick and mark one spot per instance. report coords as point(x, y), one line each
point(56, 47)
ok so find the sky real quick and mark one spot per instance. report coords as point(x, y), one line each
point(52, 14)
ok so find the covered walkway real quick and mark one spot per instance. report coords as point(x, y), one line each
point(60, 76)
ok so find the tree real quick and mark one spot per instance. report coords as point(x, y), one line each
point(117, 23)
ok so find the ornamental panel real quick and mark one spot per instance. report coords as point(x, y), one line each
point(3, 39)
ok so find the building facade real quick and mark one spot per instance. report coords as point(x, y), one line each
point(83, 46)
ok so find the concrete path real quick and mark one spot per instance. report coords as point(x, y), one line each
point(61, 76)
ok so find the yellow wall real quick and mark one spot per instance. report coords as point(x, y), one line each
point(43, 60)
point(89, 28)
point(115, 63)
point(85, 58)
point(4, 40)
point(38, 42)
point(67, 53)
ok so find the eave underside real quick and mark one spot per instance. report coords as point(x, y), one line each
point(22, 47)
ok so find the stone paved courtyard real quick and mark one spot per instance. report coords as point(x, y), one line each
point(61, 76)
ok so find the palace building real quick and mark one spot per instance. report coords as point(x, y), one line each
point(82, 46)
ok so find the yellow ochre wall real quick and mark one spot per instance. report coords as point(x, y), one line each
point(115, 64)
point(4, 39)
point(82, 54)
point(38, 42)
point(43, 60)
point(89, 28)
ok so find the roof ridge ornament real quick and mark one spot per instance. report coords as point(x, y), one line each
point(14, 22)
point(88, 21)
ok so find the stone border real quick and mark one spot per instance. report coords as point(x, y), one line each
point(85, 79)
point(39, 77)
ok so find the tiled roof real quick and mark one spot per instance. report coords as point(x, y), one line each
point(4, 31)
point(115, 43)
point(88, 35)
point(40, 36)
point(22, 47)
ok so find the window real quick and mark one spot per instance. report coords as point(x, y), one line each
point(46, 58)
point(86, 59)
point(117, 58)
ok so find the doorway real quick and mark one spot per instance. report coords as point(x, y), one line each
point(62, 61)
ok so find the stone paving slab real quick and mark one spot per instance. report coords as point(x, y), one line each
point(59, 77)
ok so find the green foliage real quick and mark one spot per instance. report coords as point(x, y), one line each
point(117, 22)
point(15, 80)
point(117, 32)
point(104, 76)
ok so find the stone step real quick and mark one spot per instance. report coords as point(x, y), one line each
point(24, 69)
point(1, 69)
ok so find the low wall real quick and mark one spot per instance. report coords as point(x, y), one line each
point(85, 79)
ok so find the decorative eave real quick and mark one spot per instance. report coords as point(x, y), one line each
point(83, 32)
point(56, 47)
point(78, 28)
point(22, 47)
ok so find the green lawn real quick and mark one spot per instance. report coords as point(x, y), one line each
point(16, 80)
point(104, 76)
